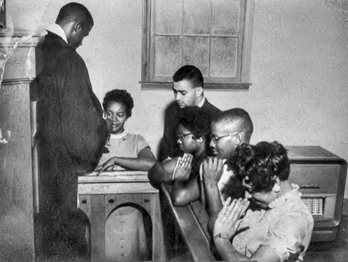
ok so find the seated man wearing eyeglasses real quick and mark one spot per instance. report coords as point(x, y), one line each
point(229, 129)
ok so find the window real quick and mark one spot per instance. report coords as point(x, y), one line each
point(214, 35)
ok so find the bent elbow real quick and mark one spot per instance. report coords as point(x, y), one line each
point(149, 164)
point(152, 178)
point(179, 202)
point(180, 199)
point(155, 185)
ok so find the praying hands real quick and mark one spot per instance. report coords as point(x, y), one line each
point(228, 220)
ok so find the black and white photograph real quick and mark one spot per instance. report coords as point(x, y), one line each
point(173, 130)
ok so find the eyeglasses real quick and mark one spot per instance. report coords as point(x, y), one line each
point(181, 137)
point(217, 138)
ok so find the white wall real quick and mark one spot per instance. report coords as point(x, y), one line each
point(299, 65)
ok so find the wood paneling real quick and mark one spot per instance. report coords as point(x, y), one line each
point(16, 157)
point(100, 196)
point(16, 185)
point(192, 221)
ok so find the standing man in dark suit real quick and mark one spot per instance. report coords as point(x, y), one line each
point(72, 130)
point(188, 91)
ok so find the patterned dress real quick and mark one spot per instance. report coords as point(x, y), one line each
point(286, 226)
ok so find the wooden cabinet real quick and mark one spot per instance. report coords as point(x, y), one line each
point(100, 196)
point(321, 176)
point(18, 156)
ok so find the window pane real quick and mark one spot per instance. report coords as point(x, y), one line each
point(224, 57)
point(214, 35)
point(168, 17)
point(197, 17)
point(196, 52)
point(167, 55)
point(225, 18)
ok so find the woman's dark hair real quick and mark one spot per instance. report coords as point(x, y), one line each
point(197, 120)
point(261, 164)
point(121, 96)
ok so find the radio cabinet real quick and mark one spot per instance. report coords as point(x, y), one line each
point(321, 176)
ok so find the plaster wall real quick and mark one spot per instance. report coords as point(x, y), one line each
point(298, 71)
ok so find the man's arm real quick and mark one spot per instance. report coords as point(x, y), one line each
point(214, 204)
point(164, 149)
point(212, 171)
point(168, 145)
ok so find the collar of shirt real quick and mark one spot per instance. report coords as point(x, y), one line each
point(287, 197)
point(202, 102)
point(56, 29)
point(123, 136)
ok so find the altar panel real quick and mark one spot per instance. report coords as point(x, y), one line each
point(16, 156)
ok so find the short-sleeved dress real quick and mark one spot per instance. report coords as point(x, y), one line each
point(286, 226)
point(123, 145)
point(125, 234)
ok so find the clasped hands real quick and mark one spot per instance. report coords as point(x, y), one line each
point(183, 167)
point(229, 218)
point(212, 170)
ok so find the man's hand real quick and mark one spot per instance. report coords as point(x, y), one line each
point(183, 168)
point(212, 170)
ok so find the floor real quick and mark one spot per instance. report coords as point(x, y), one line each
point(336, 251)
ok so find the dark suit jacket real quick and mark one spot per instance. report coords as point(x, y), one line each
point(169, 146)
point(72, 131)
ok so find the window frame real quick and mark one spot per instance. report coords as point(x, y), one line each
point(147, 67)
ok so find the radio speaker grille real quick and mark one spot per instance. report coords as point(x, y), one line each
point(314, 204)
